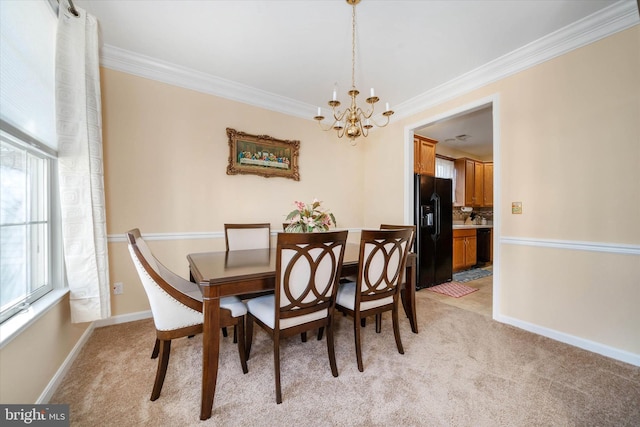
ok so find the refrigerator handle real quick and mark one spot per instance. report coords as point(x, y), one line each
point(436, 199)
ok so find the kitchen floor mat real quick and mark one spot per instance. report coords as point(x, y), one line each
point(452, 289)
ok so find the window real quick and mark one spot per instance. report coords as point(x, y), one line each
point(25, 225)
point(30, 243)
point(445, 168)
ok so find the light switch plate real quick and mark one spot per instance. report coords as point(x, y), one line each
point(516, 208)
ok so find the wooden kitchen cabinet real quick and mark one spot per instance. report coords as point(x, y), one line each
point(466, 182)
point(424, 155)
point(478, 183)
point(472, 177)
point(464, 248)
point(487, 188)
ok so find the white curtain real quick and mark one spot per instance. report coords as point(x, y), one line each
point(80, 171)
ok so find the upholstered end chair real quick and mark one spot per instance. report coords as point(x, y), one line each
point(176, 306)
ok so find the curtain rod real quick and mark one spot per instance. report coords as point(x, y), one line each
point(71, 7)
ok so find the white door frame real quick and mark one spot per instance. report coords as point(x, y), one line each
point(494, 101)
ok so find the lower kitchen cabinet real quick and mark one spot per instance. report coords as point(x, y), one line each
point(464, 248)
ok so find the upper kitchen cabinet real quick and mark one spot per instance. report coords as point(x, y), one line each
point(424, 155)
point(466, 182)
point(487, 188)
point(474, 183)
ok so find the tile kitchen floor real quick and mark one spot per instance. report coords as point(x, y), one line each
point(480, 301)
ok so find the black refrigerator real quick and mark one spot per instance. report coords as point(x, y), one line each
point(433, 217)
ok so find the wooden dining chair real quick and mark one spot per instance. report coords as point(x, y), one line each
point(176, 306)
point(401, 227)
point(383, 254)
point(247, 236)
point(308, 269)
point(403, 291)
point(403, 288)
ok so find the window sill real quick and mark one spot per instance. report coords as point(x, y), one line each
point(12, 327)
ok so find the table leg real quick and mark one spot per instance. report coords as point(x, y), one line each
point(210, 353)
point(410, 295)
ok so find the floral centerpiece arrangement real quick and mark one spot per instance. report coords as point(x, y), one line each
point(308, 218)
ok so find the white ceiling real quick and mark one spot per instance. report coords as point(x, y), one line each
point(470, 133)
point(293, 52)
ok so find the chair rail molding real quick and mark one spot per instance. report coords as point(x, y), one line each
point(618, 248)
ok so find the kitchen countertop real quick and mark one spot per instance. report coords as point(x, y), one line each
point(470, 226)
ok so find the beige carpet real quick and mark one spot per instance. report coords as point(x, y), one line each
point(462, 369)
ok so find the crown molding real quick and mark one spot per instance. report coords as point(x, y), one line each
point(145, 66)
point(610, 20)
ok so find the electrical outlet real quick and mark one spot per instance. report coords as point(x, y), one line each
point(118, 288)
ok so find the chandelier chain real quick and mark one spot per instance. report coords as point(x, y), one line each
point(353, 46)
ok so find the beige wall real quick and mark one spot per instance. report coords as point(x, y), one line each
point(569, 150)
point(30, 361)
point(166, 153)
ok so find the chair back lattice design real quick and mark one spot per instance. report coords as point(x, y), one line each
point(399, 227)
point(171, 307)
point(247, 236)
point(308, 270)
point(383, 254)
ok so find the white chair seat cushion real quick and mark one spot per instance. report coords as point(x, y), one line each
point(263, 308)
point(234, 305)
point(347, 298)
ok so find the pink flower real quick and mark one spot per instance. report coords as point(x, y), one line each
point(310, 217)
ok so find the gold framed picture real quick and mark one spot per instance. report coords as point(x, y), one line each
point(262, 155)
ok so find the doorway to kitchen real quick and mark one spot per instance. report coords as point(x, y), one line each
point(470, 131)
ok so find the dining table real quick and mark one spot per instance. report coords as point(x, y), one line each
point(226, 273)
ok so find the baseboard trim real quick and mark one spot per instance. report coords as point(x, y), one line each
point(62, 371)
point(123, 318)
point(594, 347)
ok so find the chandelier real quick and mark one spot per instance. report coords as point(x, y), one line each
point(354, 121)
